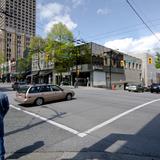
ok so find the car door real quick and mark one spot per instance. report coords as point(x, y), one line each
point(46, 93)
point(57, 92)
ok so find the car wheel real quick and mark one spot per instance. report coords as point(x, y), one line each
point(68, 96)
point(39, 101)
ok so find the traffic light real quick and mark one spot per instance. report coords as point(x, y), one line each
point(122, 63)
point(149, 60)
point(77, 72)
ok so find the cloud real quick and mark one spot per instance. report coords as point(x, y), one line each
point(64, 19)
point(53, 13)
point(49, 10)
point(132, 45)
point(101, 11)
point(77, 3)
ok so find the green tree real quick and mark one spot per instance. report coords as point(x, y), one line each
point(60, 44)
point(157, 61)
point(37, 46)
point(1, 62)
point(1, 58)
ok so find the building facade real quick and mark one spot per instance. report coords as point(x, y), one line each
point(149, 72)
point(133, 69)
point(95, 65)
point(17, 26)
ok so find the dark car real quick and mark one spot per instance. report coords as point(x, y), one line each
point(65, 83)
point(155, 87)
point(16, 85)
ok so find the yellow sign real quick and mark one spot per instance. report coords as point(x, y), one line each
point(149, 60)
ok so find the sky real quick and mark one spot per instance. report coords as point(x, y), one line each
point(111, 23)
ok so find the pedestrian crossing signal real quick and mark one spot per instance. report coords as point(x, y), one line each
point(150, 60)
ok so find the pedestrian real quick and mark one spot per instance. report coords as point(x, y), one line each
point(4, 106)
point(88, 82)
point(76, 83)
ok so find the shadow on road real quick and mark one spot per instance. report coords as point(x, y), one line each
point(26, 150)
point(5, 89)
point(145, 145)
point(28, 126)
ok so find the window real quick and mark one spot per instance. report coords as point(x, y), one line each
point(45, 89)
point(56, 88)
point(34, 90)
point(136, 65)
point(129, 65)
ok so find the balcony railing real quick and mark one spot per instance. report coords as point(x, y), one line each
point(113, 69)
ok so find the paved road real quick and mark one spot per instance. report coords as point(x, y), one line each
point(97, 124)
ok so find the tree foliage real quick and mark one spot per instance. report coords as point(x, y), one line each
point(157, 61)
point(37, 46)
point(1, 58)
point(59, 47)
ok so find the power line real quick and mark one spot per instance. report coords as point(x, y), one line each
point(116, 33)
point(142, 20)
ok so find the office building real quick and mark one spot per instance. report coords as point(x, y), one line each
point(17, 26)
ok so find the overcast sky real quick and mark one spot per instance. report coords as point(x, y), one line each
point(107, 22)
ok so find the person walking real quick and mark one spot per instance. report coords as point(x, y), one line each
point(4, 106)
point(76, 83)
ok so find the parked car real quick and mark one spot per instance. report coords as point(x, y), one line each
point(41, 93)
point(136, 88)
point(16, 85)
point(155, 87)
point(65, 83)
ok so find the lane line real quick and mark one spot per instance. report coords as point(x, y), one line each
point(116, 118)
point(48, 121)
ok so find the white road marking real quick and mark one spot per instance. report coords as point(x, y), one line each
point(83, 134)
point(48, 121)
point(115, 118)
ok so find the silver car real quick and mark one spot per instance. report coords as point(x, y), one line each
point(41, 93)
point(136, 88)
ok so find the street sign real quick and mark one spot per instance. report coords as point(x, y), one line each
point(150, 61)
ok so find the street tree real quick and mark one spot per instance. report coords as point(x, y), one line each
point(2, 60)
point(24, 65)
point(60, 44)
point(157, 61)
point(37, 46)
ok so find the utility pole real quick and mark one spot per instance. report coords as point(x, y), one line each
point(110, 53)
point(110, 70)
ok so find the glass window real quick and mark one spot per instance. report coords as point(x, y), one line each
point(56, 88)
point(129, 65)
point(45, 89)
point(34, 90)
point(136, 65)
point(23, 89)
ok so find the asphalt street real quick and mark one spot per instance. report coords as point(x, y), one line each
point(96, 124)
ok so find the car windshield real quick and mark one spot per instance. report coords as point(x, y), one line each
point(23, 89)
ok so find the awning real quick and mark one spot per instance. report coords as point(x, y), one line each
point(45, 72)
point(33, 74)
